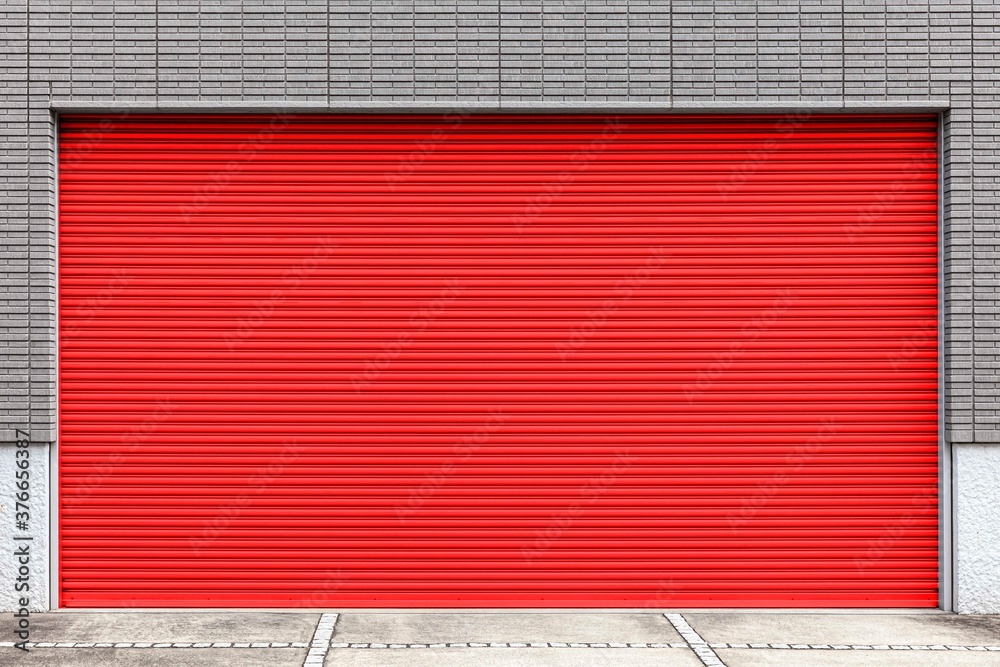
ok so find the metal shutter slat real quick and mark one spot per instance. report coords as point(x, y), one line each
point(695, 367)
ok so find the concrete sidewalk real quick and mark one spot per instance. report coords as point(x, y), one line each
point(449, 639)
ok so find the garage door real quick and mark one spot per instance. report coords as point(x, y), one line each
point(498, 361)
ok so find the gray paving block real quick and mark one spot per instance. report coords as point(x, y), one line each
point(149, 657)
point(173, 626)
point(852, 658)
point(853, 628)
point(504, 627)
point(513, 657)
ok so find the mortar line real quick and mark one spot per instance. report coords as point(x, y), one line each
point(695, 641)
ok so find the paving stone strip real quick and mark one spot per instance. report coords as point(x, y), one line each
point(321, 640)
point(695, 641)
point(344, 645)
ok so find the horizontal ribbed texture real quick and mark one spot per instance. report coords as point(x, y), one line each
point(498, 361)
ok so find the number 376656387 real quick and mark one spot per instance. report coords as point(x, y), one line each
point(22, 482)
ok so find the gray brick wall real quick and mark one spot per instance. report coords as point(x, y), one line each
point(503, 54)
point(14, 202)
point(516, 53)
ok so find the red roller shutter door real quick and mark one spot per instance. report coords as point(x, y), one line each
point(531, 361)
